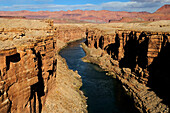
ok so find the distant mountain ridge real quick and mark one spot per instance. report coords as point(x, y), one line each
point(164, 9)
point(102, 16)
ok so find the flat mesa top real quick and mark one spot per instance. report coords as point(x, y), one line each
point(157, 26)
point(22, 23)
point(21, 32)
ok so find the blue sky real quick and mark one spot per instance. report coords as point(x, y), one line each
point(57, 5)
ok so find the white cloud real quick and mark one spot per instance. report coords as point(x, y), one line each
point(131, 6)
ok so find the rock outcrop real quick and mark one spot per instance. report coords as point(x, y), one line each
point(28, 69)
point(135, 57)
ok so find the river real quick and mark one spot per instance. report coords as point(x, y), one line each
point(105, 94)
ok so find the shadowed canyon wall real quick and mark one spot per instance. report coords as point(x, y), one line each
point(133, 49)
point(136, 55)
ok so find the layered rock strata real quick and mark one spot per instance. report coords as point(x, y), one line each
point(132, 56)
point(69, 32)
point(28, 69)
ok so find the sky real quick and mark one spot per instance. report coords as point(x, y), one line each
point(57, 5)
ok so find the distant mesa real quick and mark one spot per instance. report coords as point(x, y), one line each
point(80, 16)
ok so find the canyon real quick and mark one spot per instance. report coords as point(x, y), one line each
point(35, 78)
point(91, 16)
point(137, 55)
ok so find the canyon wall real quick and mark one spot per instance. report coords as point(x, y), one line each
point(138, 58)
point(28, 68)
point(133, 49)
point(69, 32)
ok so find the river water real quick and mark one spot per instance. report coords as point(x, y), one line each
point(105, 94)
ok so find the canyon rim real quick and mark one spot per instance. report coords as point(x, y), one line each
point(132, 47)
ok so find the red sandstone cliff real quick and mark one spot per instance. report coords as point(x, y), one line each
point(28, 69)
